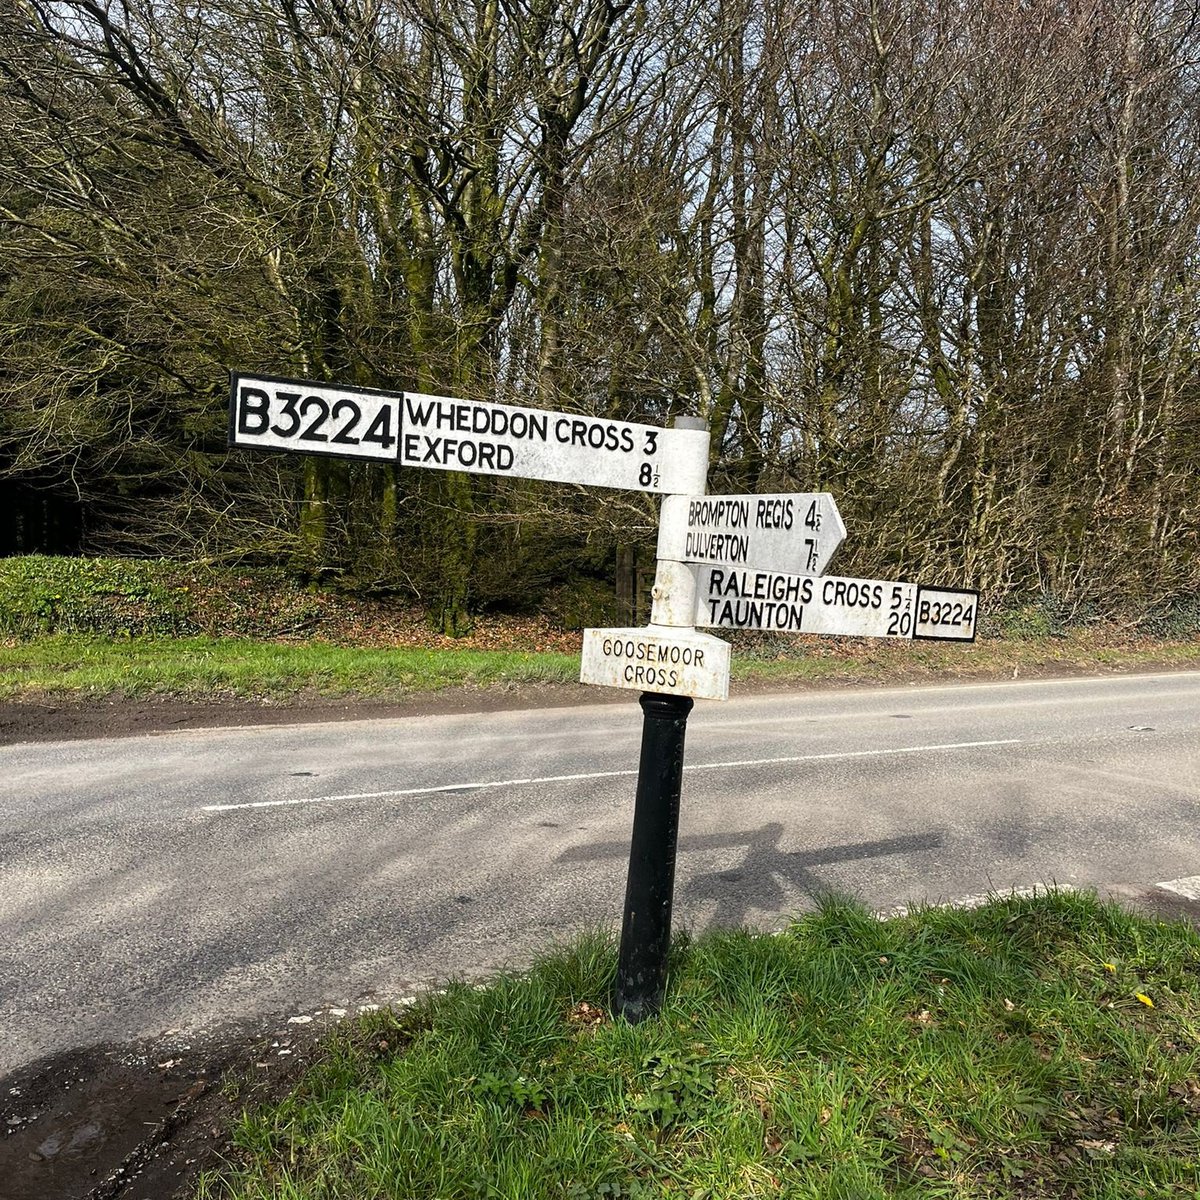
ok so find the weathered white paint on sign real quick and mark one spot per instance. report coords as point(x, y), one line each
point(679, 662)
point(316, 418)
point(499, 439)
point(738, 598)
point(795, 534)
point(946, 614)
point(674, 594)
point(446, 434)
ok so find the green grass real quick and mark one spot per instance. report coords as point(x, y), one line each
point(89, 666)
point(200, 667)
point(996, 658)
point(1002, 1052)
point(99, 627)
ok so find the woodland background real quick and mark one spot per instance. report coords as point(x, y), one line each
point(939, 258)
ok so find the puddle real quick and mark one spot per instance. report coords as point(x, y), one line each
point(83, 1138)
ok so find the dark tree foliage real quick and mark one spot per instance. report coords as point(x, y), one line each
point(940, 259)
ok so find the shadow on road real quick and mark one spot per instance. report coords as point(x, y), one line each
point(757, 881)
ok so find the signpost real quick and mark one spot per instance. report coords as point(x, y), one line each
point(731, 562)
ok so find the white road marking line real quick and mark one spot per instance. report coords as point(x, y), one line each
point(795, 758)
point(501, 783)
point(1188, 887)
point(422, 791)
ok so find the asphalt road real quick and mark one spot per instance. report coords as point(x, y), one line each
point(184, 880)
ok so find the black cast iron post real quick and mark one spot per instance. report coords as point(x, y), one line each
point(646, 927)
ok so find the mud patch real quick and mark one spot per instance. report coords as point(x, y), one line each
point(140, 1122)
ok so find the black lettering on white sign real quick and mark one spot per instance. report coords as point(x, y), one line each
point(416, 430)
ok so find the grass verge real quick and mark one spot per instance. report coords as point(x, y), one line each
point(1083, 650)
point(1034, 1047)
point(87, 666)
point(77, 628)
point(213, 668)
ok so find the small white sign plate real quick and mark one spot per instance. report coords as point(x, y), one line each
point(946, 614)
point(417, 430)
point(796, 534)
point(738, 598)
point(679, 662)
